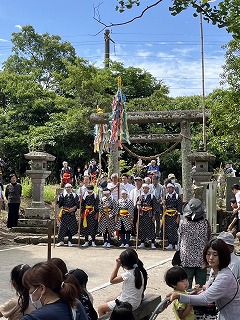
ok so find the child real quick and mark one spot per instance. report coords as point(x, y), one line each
point(122, 311)
point(132, 279)
point(176, 278)
point(16, 308)
point(84, 296)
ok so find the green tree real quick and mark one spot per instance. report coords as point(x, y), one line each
point(42, 56)
point(231, 68)
point(224, 14)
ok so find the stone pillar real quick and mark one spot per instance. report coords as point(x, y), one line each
point(38, 175)
point(186, 164)
point(211, 204)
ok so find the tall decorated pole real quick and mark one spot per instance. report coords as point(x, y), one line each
point(118, 126)
point(101, 139)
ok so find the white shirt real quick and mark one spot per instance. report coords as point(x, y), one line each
point(129, 292)
point(128, 187)
point(114, 192)
point(134, 193)
point(237, 197)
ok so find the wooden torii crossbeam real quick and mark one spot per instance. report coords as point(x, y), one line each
point(175, 116)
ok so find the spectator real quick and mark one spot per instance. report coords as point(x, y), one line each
point(223, 289)
point(13, 194)
point(177, 186)
point(177, 278)
point(132, 279)
point(83, 295)
point(53, 298)
point(235, 224)
point(115, 187)
point(81, 306)
point(234, 265)
point(122, 311)
point(16, 308)
point(194, 233)
point(153, 169)
point(157, 191)
point(125, 185)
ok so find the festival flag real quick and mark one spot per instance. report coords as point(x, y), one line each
point(118, 119)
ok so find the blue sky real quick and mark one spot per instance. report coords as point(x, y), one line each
point(166, 46)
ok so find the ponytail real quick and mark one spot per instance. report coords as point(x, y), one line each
point(68, 293)
point(138, 277)
point(129, 259)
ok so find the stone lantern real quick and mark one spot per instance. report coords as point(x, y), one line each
point(38, 174)
point(204, 189)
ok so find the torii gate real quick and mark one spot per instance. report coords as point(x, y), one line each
point(184, 117)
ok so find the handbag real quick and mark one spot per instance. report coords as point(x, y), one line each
point(211, 309)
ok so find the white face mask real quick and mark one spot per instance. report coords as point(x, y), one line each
point(37, 304)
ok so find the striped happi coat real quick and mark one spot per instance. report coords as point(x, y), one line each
point(124, 220)
point(106, 221)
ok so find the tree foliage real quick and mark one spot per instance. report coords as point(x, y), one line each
point(40, 55)
point(224, 14)
point(231, 68)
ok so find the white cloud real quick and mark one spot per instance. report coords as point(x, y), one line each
point(4, 40)
point(143, 53)
point(178, 67)
point(18, 26)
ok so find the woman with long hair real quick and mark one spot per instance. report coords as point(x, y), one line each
point(16, 308)
point(53, 298)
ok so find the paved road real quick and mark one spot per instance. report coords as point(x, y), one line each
point(97, 262)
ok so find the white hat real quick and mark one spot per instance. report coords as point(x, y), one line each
point(171, 175)
point(124, 191)
point(170, 185)
point(68, 185)
point(145, 185)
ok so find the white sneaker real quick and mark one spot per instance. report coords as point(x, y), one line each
point(153, 246)
point(108, 245)
point(86, 244)
point(126, 245)
point(93, 244)
point(70, 244)
point(59, 244)
point(121, 246)
point(142, 245)
point(169, 247)
point(104, 245)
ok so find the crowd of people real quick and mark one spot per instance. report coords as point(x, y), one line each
point(144, 209)
point(128, 206)
point(48, 290)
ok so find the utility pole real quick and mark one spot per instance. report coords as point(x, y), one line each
point(107, 48)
